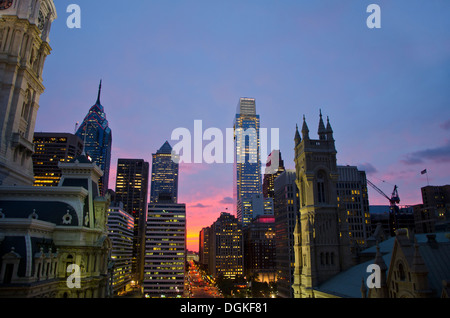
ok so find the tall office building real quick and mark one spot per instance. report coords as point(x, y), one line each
point(24, 37)
point(272, 172)
point(286, 212)
point(203, 246)
point(165, 250)
point(132, 191)
point(247, 163)
point(226, 249)
point(251, 206)
point(164, 181)
point(97, 138)
point(260, 248)
point(50, 150)
point(120, 226)
point(352, 196)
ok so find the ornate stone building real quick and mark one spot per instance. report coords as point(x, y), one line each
point(24, 46)
point(44, 230)
point(321, 236)
point(53, 241)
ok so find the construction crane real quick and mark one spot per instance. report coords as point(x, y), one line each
point(393, 207)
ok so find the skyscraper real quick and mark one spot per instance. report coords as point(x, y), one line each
point(353, 197)
point(97, 138)
point(247, 163)
point(271, 173)
point(24, 47)
point(165, 250)
point(132, 191)
point(226, 247)
point(120, 231)
point(286, 211)
point(50, 149)
point(164, 182)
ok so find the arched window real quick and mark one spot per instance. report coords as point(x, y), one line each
point(321, 187)
point(401, 272)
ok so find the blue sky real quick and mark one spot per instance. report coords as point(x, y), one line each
point(165, 64)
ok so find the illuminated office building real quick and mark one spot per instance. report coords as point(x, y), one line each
point(203, 248)
point(131, 190)
point(226, 249)
point(247, 163)
point(260, 249)
point(353, 197)
point(50, 150)
point(97, 138)
point(251, 206)
point(274, 167)
point(164, 181)
point(165, 250)
point(286, 211)
point(120, 231)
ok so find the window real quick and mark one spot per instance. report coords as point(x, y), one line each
point(321, 187)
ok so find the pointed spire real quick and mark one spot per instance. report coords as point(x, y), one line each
point(321, 130)
point(297, 138)
point(99, 92)
point(329, 129)
point(305, 129)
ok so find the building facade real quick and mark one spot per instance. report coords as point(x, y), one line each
point(120, 226)
point(132, 190)
point(24, 45)
point(165, 250)
point(247, 163)
point(253, 205)
point(352, 196)
point(50, 150)
point(226, 249)
point(286, 213)
point(321, 236)
point(54, 241)
point(97, 139)
point(203, 248)
point(164, 180)
point(260, 249)
point(274, 167)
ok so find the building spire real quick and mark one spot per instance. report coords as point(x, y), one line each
point(321, 130)
point(305, 130)
point(297, 138)
point(99, 92)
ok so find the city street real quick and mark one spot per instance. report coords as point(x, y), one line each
point(201, 285)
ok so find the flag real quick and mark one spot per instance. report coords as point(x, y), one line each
point(424, 171)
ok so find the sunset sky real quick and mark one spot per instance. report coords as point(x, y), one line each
point(165, 64)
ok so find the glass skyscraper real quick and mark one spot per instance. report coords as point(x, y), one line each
point(132, 190)
point(97, 138)
point(247, 163)
point(164, 182)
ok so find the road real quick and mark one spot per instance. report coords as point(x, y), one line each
point(201, 286)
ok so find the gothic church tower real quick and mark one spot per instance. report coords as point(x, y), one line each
point(24, 46)
point(321, 239)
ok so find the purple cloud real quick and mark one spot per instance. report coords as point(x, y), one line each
point(226, 200)
point(438, 155)
point(368, 168)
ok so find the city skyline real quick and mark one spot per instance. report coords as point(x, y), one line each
point(384, 90)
